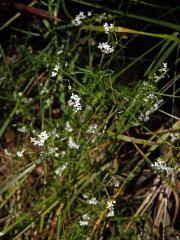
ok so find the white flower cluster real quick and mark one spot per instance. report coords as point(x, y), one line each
point(44, 91)
point(68, 127)
point(161, 166)
point(92, 128)
point(40, 140)
point(105, 48)
point(148, 101)
point(110, 206)
point(163, 68)
point(155, 103)
point(54, 151)
point(107, 27)
point(22, 129)
point(72, 144)
point(61, 169)
point(55, 71)
point(85, 220)
point(162, 72)
point(92, 201)
point(78, 19)
point(20, 153)
point(63, 153)
point(85, 196)
point(75, 102)
point(174, 136)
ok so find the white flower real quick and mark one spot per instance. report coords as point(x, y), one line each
point(66, 64)
point(92, 128)
point(22, 129)
point(61, 169)
point(105, 48)
point(161, 166)
point(53, 74)
point(110, 213)
point(75, 102)
point(55, 71)
point(163, 68)
point(150, 102)
point(72, 144)
point(56, 154)
point(56, 68)
point(85, 217)
point(54, 151)
point(85, 196)
point(68, 127)
point(92, 201)
point(78, 19)
point(85, 221)
point(110, 206)
point(107, 27)
point(144, 117)
point(43, 136)
point(44, 91)
point(40, 140)
point(174, 136)
point(162, 72)
point(89, 14)
point(81, 15)
point(63, 153)
point(20, 153)
point(76, 22)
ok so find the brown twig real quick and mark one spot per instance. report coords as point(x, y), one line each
point(35, 11)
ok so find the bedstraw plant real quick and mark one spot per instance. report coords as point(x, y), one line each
point(89, 133)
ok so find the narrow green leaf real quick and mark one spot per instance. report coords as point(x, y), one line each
point(7, 121)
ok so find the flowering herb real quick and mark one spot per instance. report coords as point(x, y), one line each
point(92, 201)
point(92, 128)
point(78, 19)
point(105, 48)
point(61, 169)
point(68, 127)
point(20, 153)
point(110, 206)
point(107, 27)
point(162, 167)
point(85, 220)
point(40, 140)
point(174, 136)
point(72, 144)
point(22, 129)
point(75, 102)
point(55, 71)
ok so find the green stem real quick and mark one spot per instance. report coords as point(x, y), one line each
point(172, 37)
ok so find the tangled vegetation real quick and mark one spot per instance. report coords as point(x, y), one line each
point(89, 123)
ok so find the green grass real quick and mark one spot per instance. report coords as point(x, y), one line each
point(126, 97)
